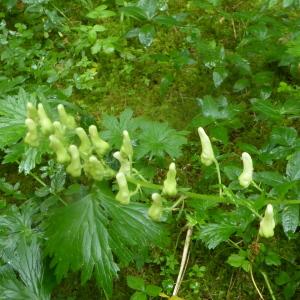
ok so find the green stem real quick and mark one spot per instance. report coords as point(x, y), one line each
point(255, 285)
point(219, 176)
point(41, 182)
point(268, 285)
point(216, 198)
point(256, 186)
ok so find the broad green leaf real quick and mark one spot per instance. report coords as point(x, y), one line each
point(215, 108)
point(285, 136)
point(287, 3)
point(136, 283)
point(114, 127)
point(166, 20)
point(272, 259)
point(28, 162)
point(149, 7)
point(220, 133)
point(12, 118)
point(241, 84)
point(214, 234)
point(126, 236)
point(293, 167)
point(134, 12)
point(266, 108)
point(232, 172)
point(146, 35)
point(290, 218)
point(239, 261)
point(270, 178)
point(153, 290)
point(83, 235)
point(219, 75)
point(138, 296)
point(159, 139)
point(27, 262)
point(100, 12)
point(78, 239)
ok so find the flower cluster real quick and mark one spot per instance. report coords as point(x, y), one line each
point(87, 157)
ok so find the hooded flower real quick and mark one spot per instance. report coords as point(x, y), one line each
point(170, 182)
point(156, 209)
point(123, 196)
point(246, 177)
point(267, 224)
point(207, 155)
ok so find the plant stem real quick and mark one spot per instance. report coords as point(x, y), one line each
point(268, 285)
point(254, 283)
point(41, 182)
point(216, 198)
point(184, 260)
point(256, 186)
point(219, 176)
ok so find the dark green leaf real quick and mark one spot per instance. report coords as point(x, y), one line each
point(136, 283)
point(285, 136)
point(270, 178)
point(272, 259)
point(100, 12)
point(146, 35)
point(138, 296)
point(219, 75)
point(293, 167)
point(158, 139)
point(12, 118)
point(241, 84)
point(239, 261)
point(153, 290)
point(290, 218)
point(214, 234)
point(266, 108)
point(134, 12)
point(114, 127)
point(78, 239)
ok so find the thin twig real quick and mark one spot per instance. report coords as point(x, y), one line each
point(183, 260)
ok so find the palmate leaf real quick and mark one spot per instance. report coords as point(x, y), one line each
point(12, 118)
point(114, 127)
point(85, 234)
point(159, 139)
point(130, 228)
point(78, 238)
point(20, 253)
point(26, 261)
point(214, 234)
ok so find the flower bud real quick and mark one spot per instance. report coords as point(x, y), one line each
point(59, 130)
point(32, 112)
point(126, 148)
point(125, 164)
point(246, 177)
point(267, 224)
point(123, 196)
point(62, 155)
point(170, 182)
point(100, 146)
point(97, 169)
point(66, 119)
point(156, 209)
point(31, 137)
point(45, 122)
point(74, 168)
point(207, 155)
point(85, 148)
